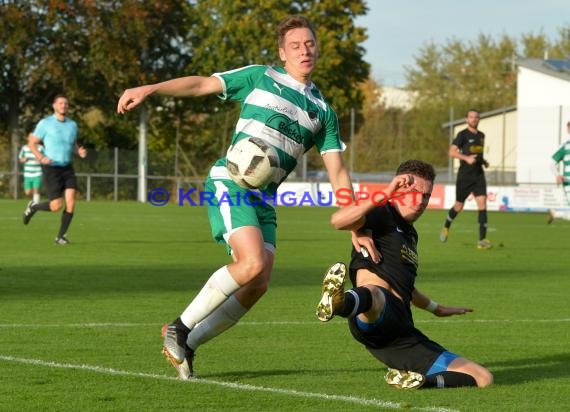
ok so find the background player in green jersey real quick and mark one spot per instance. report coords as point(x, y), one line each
point(282, 106)
point(32, 172)
point(562, 155)
point(468, 147)
point(378, 306)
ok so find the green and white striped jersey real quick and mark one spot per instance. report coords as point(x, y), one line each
point(32, 167)
point(289, 115)
point(563, 155)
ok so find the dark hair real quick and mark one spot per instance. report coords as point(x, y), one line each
point(58, 96)
point(293, 22)
point(472, 110)
point(418, 168)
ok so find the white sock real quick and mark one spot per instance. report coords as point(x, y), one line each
point(223, 318)
point(36, 197)
point(216, 290)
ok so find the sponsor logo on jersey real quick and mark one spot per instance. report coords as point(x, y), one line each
point(285, 126)
point(476, 148)
point(409, 255)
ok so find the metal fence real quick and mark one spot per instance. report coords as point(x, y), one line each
point(113, 175)
point(117, 185)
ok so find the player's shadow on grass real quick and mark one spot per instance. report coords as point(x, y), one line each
point(530, 369)
point(145, 241)
point(253, 374)
point(510, 372)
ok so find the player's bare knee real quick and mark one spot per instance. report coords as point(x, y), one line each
point(55, 205)
point(252, 267)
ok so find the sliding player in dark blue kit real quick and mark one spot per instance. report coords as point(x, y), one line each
point(378, 307)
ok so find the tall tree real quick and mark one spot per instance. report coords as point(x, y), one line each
point(92, 50)
point(234, 33)
point(22, 43)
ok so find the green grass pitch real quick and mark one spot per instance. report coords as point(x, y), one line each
point(80, 324)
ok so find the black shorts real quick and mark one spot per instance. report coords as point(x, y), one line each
point(467, 184)
point(394, 340)
point(57, 179)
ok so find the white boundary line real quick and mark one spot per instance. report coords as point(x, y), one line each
point(285, 323)
point(231, 385)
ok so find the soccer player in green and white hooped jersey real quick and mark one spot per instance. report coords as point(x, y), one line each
point(282, 106)
point(289, 115)
point(32, 172)
point(562, 155)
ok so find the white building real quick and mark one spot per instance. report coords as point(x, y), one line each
point(397, 98)
point(499, 127)
point(543, 109)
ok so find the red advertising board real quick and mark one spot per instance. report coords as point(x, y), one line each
point(437, 200)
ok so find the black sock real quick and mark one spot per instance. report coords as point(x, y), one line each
point(452, 214)
point(482, 224)
point(41, 206)
point(449, 379)
point(357, 300)
point(180, 325)
point(65, 222)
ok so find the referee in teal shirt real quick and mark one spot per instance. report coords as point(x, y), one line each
point(58, 134)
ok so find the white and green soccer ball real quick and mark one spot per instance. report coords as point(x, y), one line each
point(251, 163)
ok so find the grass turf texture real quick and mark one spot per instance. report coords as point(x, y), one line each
point(80, 324)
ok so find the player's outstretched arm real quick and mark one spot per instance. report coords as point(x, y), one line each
point(342, 185)
point(189, 86)
point(443, 311)
point(351, 217)
point(423, 302)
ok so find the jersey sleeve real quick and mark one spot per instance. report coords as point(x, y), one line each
point(238, 83)
point(22, 153)
point(40, 131)
point(459, 140)
point(558, 156)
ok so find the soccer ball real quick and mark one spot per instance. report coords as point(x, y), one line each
point(251, 163)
